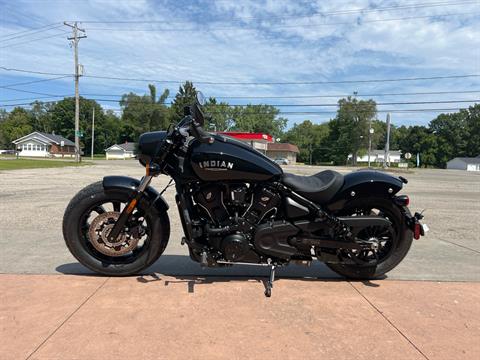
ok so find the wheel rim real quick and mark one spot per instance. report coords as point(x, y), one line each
point(126, 251)
point(384, 238)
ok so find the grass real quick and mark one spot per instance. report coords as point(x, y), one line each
point(16, 164)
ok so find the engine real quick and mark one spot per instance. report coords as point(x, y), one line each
point(231, 212)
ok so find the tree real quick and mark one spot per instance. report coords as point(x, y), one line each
point(185, 96)
point(258, 118)
point(16, 125)
point(451, 135)
point(218, 115)
point(473, 130)
point(107, 126)
point(349, 129)
point(311, 141)
point(143, 113)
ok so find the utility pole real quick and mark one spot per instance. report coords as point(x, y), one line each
point(386, 157)
point(369, 139)
point(310, 146)
point(93, 130)
point(75, 38)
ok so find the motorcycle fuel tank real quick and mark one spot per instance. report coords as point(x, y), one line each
point(230, 159)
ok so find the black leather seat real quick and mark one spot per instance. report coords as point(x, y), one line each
point(319, 188)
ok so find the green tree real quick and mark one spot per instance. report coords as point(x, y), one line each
point(349, 129)
point(258, 118)
point(18, 123)
point(185, 96)
point(107, 126)
point(311, 140)
point(451, 135)
point(143, 113)
point(473, 131)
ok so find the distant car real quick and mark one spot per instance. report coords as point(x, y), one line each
point(7, 152)
point(281, 161)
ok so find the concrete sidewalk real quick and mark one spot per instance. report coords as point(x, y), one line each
point(159, 317)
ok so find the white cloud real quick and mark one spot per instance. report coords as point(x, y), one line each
point(261, 47)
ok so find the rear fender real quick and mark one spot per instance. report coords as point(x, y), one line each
point(365, 183)
point(125, 183)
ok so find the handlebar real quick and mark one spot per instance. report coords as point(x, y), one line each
point(200, 134)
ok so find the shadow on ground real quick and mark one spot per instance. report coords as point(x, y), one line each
point(184, 270)
point(180, 265)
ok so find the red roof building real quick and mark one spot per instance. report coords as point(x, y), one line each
point(265, 144)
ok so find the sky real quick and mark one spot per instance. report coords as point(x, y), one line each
point(303, 55)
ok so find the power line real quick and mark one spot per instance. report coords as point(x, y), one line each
point(279, 26)
point(252, 83)
point(29, 92)
point(334, 112)
point(28, 30)
point(36, 39)
point(35, 32)
point(289, 82)
point(321, 13)
point(34, 81)
point(86, 95)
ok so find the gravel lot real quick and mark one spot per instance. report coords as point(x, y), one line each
point(32, 203)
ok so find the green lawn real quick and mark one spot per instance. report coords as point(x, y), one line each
point(15, 164)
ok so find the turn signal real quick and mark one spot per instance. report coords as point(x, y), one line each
point(402, 200)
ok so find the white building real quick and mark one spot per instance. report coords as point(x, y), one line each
point(121, 151)
point(39, 144)
point(378, 156)
point(464, 163)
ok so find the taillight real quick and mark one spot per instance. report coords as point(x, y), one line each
point(402, 200)
point(417, 231)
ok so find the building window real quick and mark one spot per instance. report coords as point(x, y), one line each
point(29, 147)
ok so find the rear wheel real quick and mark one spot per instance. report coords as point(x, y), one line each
point(391, 243)
point(90, 217)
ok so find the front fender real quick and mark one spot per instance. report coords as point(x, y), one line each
point(365, 183)
point(125, 183)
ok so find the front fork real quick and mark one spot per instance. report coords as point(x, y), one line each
point(127, 211)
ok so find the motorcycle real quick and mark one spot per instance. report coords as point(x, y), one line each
point(238, 207)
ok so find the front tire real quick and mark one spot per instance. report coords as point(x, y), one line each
point(402, 243)
point(93, 199)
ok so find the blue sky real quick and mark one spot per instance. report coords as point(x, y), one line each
point(250, 41)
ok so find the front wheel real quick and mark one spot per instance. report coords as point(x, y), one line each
point(392, 243)
point(89, 218)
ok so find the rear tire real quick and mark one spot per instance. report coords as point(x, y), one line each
point(403, 241)
point(78, 243)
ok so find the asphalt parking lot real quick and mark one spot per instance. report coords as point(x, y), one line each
point(50, 308)
point(32, 203)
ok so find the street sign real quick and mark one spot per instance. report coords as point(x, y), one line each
point(79, 133)
point(408, 155)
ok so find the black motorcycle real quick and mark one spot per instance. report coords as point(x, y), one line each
point(238, 207)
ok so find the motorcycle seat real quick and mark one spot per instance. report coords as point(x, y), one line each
point(319, 188)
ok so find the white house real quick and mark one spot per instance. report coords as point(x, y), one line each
point(39, 144)
point(121, 151)
point(378, 156)
point(464, 163)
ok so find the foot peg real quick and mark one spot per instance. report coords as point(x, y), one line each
point(269, 283)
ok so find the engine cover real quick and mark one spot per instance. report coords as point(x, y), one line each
point(235, 247)
point(272, 239)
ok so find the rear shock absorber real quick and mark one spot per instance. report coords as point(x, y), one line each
point(338, 226)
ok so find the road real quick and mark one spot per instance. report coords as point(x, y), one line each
point(32, 203)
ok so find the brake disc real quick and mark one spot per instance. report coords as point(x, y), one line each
point(98, 233)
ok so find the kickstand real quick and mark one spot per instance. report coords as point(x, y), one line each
point(269, 283)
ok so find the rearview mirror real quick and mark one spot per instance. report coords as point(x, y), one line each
point(201, 98)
